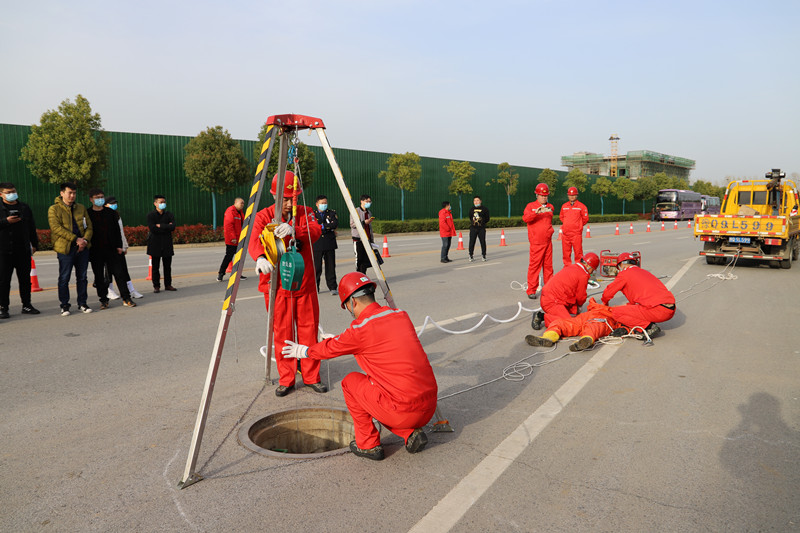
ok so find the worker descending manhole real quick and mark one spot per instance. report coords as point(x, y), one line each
point(303, 433)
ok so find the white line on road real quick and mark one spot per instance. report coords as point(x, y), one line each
point(681, 238)
point(481, 265)
point(468, 491)
point(638, 243)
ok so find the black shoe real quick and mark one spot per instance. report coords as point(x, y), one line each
point(4, 312)
point(652, 329)
point(447, 259)
point(103, 305)
point(533, 340)
point(156, 289)
point(619, 332)
point(416, 441)
point(538, 320)
point(129, 303)
point(443, 260)
point(219, 277)
point(533, 296)
point(29, 310)
point(317, 387)
point(376, 453)
point(242, 277)
point(170, 288)
point(581, 344)
point(283, 390)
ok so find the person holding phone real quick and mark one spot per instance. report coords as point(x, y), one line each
point(18, 242)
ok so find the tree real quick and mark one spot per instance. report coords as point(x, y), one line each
point(646, 188)
point(305, 157)
point(509, 180)
point(461, 183)
point(623, 189)
point(403, 173)
point(576, 178)
point(602, 187)
point(215, 163)
point(69, 145)
point(550, 178)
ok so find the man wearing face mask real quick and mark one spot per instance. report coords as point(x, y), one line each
point(325, 247)
point(111, 203)
point(159, 242)
point(447, 230)
point(18, 241)
point(399, 388)
point(295, 312)
point(478, 218)
point(365, 218)
point(106, 249)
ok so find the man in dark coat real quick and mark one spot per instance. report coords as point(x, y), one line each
point(159, 242)
point(18, 241)
point(325, 246)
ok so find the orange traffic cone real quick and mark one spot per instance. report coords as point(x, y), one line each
point(460, 242)
point(676, 224)
point(648, 228)
point(503, 237)
point(616, 232)
point(149, 267)
point(34, 278)
point(385, 247)
point(588, 232)
point(689, 224)
point(662, 225)
point(631, 230)
point(230, 268)
point(559, 234)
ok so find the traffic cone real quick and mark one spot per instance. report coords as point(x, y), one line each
point(503, 237)
point(616, 232)
point(149, 267)
point(34, 278)
point(676, 224)
point(631, 230)
point(588, 232)
point(689, 223)
point(230, 268)
point(559, 234)
point(460, 242)
point(648, 228)
point(385, 247)
point(662, 225)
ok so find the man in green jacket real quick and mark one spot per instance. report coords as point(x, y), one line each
point(71, 232)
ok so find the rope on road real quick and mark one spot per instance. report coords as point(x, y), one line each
point(721, 276)
point(520, 309)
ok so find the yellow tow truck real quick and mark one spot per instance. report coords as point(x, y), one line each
point(758, 220)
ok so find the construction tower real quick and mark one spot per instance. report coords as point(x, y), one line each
point(614, 155)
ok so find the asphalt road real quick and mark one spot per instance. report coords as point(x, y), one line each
point(699, 432)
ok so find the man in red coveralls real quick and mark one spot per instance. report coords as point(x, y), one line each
point(596, 322)
point(298, 307)
point(399, 388)
point(447, 230)
point(649, 300)
point(565, 293)
point(232, 224)
point(574, 217)
point(538, 216)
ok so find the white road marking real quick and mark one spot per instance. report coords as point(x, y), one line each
point(450, 509)
point(639, 243)
point(480, 265)
point(681, 238)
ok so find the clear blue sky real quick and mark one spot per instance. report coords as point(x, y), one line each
point(524, 82)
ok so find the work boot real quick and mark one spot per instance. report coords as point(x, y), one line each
point(581, 344)
point(283, 390)
point(416, 441)
point(652, 330)
point(538, 320)
point(533, 340)
point(376, 453)
point(317, 387)
point(619, 332)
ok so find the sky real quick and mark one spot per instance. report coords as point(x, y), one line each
point(518, 81)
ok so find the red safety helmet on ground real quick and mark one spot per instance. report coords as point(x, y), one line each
point(352, 283)
point(288, 185)
point(626, 257)
point(572, 191)
point(543, 189)
point(591, 260)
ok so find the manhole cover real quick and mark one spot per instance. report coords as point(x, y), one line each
point(302, 433)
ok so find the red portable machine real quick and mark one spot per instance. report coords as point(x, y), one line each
point(608, 262)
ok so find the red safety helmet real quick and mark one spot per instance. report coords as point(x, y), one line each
point(591, 260)
point(543, 189)
point(572, 190)
point(288, 185)
point(352, 282)
point(626, 257)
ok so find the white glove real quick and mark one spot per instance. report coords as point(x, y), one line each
point(375, 247)
point(263, 266)
point(283, 230)
point(294, 350)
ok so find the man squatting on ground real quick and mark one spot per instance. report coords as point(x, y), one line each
point(399, 388)
point(565, 293)
point(300, 306)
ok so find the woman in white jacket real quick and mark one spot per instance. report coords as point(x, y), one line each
point(111, 203)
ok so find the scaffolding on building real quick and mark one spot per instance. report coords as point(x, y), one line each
point(634, 165)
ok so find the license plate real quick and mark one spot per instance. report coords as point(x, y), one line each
point(743, 240)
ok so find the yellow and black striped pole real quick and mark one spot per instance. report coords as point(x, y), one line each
point(189, 475)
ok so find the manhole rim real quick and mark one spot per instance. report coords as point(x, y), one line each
point(243, 436)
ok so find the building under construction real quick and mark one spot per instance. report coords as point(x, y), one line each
point(633, 165)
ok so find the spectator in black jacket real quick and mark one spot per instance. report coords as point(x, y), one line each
point(325, 246)
point(159, 242)
point(478, 218)
point(106, 250)
point(18, 242)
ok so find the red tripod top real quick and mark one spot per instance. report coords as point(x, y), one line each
point(300, 122)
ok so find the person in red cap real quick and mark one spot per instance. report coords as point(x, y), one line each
point(447, 230)
point(649, 300)
point(298, 308)
point(565, 293)
point(538, 216)
point(399, 388)
point(574, 216)
point(232, 224)
point(598, 321)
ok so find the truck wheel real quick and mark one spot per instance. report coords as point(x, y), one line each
point(774, 264)
point(796, 250)
point(786, 264)
point(711, 260)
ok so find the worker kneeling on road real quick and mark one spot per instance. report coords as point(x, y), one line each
point(598, 321)
point(565, 293)
point(649, 300)
point(399, 388)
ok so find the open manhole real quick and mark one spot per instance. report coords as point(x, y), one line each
point(302, 433)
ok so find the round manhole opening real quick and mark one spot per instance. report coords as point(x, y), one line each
point(302, 433)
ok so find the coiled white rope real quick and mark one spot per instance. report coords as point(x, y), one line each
point(484, 318)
